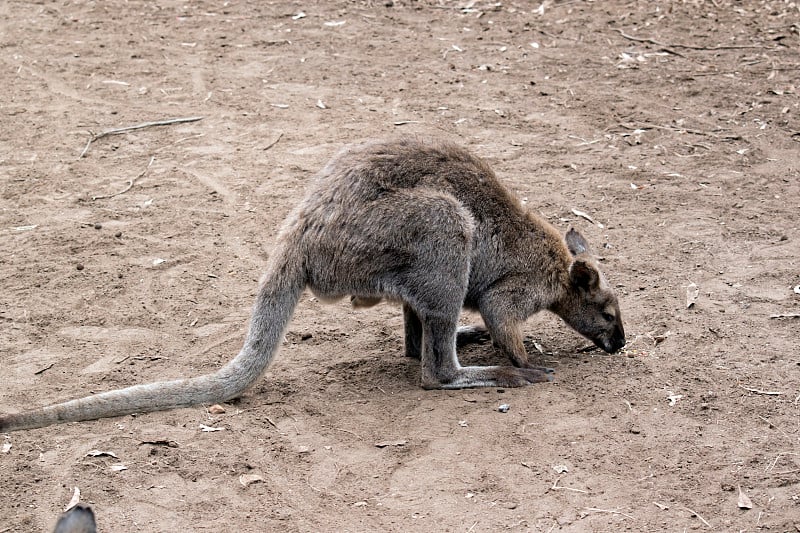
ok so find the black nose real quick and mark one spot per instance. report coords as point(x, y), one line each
point(617, 343)
point(613, 344)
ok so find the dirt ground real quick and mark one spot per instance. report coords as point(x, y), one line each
point(675, 125)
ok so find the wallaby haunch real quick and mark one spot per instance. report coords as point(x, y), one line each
point(420, 222)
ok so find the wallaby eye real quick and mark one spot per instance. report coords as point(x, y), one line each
point(608, 317)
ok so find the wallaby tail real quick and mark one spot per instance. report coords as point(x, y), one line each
point(277, 298)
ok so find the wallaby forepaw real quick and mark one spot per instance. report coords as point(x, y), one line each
point(472, 335)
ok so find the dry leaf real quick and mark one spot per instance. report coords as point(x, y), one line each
point(587, 217)
point(692, 293)
point(744, 501)
point(76, 498)
point(249, 479)
point(100, 453)
point(216, 409)
point(561, 469)
point(118, 467)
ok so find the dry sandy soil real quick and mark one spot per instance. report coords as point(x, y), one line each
point(675, 125)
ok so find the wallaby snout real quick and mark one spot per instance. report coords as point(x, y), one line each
point(615, 342)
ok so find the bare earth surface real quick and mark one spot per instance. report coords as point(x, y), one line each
point(675, 125)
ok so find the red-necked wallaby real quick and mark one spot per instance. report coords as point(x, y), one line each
point(424, 223)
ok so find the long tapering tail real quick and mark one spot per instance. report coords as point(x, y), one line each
point(277, 298)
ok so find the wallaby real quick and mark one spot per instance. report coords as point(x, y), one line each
point(79, 519)
point(420, 222)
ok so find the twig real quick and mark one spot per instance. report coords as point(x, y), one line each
point(647, 125)
point(786, 315)
point(345, 431)
point(695, 513)
point(764, 392)
point(273, 143)
point(612, 511)
point(126, 129)
point(556, 486)
point(130, 183)
point(777, 458)
point(43, 370)
point(687, 46)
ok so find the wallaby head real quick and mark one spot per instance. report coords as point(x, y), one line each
point(590, 305)
point(79, 519)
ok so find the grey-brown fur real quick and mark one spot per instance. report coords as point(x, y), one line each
point(423, 223)
point(79, 519)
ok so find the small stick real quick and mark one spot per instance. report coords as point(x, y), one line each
point(764, 392)
point(703, 520)
point(271, 423)
point(556, 486)
point(130, 183)
point(786, 315)
point(687, 46)
point(273, 143)
point(43, 370)
point(612, 511)
point(126, 129)
point(346, 431)
point(777, 458)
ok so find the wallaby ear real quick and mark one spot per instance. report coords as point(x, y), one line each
point(584, 275)
point(576, 243)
